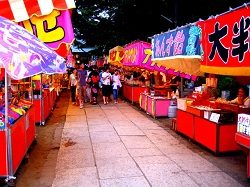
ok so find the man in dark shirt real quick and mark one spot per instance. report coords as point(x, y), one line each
point(82, 76)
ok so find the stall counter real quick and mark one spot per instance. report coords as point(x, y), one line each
point(47, 103)
point(244, 141)
point(156, 106)
point(22, 136)
point(132, 92)
point(219, 138)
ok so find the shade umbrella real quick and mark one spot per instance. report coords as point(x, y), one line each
point(23, 55)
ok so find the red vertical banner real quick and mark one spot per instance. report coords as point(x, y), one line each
point(226, 43)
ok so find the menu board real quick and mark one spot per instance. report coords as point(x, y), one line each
point(243, 124)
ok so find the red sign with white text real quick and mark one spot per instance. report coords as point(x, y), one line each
point(226, 43)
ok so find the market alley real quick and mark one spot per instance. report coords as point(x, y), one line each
point(116, 145)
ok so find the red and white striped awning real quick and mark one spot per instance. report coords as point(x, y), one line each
point(20, 10)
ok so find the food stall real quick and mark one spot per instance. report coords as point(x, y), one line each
point(151, 97)
point(209, 121)
point(17, 121)
point(178, 52)
point(229, 34)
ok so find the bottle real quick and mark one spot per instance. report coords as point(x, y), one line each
point(177, 93)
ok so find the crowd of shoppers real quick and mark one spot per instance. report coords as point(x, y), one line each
point(86, 83)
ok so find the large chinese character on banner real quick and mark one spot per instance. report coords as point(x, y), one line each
point(226, 43)
point(116, 55)
point(54, 29)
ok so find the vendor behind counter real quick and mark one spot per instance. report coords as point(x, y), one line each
point(242, 97)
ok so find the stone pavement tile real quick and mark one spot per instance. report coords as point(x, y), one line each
point(116, 117)
point(110, 150)
point(137, 142)
point(77, 142)
point(101, 128)
point(93, 110)
point(173, 149)
point(98, 121)
point(153, 160)
point(78, 118)
point(144, 152)
point(163, 140)
point(109, 107)
point(125, 182)
point(75, 131)
point(117, 168)
point(193, 162)
point(75, 158)
point(104, 137)
point(128, 130)
point(215, 179)
point(78, 177)
point(77, 112)
point(121, 122)
point(141, 120)
point(148, 126)
point(96, 115)
point(164, 178)
point(75, 124)
point(157, 132)
point(131, 113)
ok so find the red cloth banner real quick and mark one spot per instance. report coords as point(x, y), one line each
point(226, 43)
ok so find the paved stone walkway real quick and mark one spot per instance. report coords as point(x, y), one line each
point(116, 145)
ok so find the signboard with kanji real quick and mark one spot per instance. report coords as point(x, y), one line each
point(179, 49)
point(54, 29)
point(225, 41)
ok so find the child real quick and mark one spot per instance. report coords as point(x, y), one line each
point(88, 90)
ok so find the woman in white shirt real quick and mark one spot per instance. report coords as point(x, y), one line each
point(106, 81)
point(116, 85)
point(73, 83)
point(242, 98)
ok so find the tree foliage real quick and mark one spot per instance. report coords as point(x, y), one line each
point(107, 23)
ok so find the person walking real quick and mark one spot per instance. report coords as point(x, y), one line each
point(94, 85)
point(106, 79)
point(72, 84)
point(116, 85)
point(82, 75)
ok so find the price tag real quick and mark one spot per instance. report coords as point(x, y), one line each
point(215, 117)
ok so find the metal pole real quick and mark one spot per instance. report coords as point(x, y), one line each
point(181, 88)
point(8, 132)
point(41, 102)
point(133, 91)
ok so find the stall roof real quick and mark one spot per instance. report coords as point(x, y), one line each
point(20, 10)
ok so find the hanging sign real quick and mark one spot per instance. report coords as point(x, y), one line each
point(226, 43)
point(116, 55)
point(180, 43)
point(54, 29)
point(179, 50)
